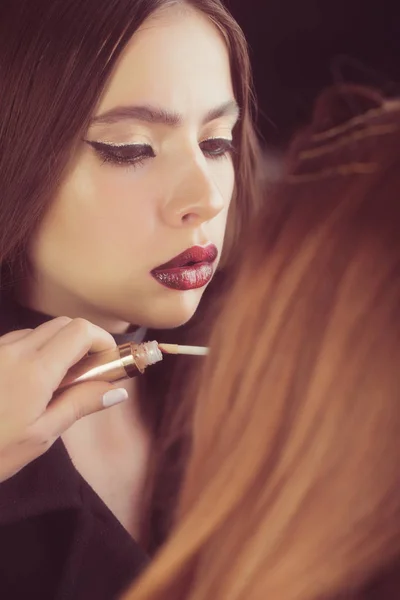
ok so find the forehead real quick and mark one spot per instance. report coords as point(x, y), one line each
point(178, 60)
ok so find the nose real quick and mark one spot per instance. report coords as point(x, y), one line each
point(194, 198)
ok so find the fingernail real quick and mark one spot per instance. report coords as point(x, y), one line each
point(114, 397)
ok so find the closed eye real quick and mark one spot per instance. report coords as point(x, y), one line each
point(122, 154)
point(217, 147)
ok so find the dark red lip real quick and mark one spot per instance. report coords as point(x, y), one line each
point(191, 269)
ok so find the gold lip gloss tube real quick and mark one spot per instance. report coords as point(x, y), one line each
point(125, 361)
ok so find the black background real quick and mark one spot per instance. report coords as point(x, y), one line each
point(300, 46)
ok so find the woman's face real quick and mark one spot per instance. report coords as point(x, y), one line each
point(152, 178)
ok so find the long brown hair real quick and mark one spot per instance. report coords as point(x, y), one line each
point(55, 60)
point(292, 486)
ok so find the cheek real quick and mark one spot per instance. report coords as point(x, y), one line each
point(106, 206)
point(226, 182)
point(230, 182)
point(128, 201)
point(102, 218)
point(224, 179)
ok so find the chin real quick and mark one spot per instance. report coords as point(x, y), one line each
point(168, 323)
point(172, 312)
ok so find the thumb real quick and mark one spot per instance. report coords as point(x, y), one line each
point(77, 402)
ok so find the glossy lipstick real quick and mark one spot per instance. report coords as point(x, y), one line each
point(190, 270)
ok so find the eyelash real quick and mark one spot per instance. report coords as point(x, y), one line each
point(136, 154)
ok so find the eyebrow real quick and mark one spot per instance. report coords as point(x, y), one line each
point(159, 116)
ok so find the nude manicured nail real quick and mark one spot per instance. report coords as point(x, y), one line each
point(114, 397)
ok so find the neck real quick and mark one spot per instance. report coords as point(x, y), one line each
point(33, 311)
point(58, 302)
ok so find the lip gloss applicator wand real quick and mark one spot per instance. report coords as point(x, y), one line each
point(176, 349)
point(125, 361)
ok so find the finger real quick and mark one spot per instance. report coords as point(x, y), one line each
point(43, 333)
point(70, 344)
point(14, 336)
point(77, 402)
